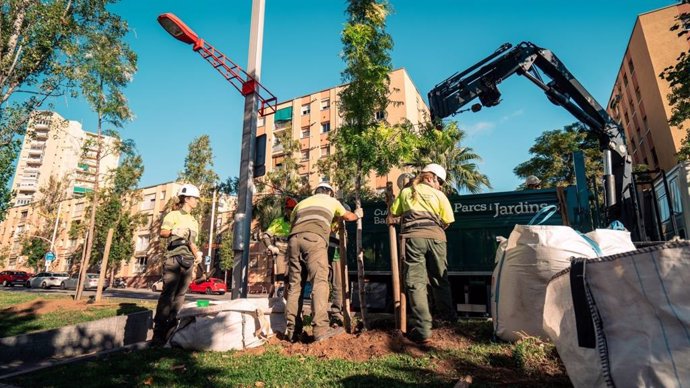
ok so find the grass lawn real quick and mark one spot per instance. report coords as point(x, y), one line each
point(22, 312)
point(488, 363)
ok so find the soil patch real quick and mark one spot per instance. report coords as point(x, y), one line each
point(42, 306)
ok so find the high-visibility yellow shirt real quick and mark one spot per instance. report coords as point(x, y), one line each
point(280, 227)
point(183, 225)
point(315, 214)
point(425, 215)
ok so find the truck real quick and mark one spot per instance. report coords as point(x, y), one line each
point(481, 219)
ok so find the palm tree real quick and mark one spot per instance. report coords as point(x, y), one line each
point(445, 148)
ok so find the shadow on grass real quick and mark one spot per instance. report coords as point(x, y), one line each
point(150, 367)
point(14, 322)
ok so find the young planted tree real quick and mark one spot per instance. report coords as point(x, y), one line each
point(104, 68)
point(678, 77)
point(198, 170)
point(445, 147)
point(39, 42)
point(552, 156)
point(279, 183)
point(363, 143)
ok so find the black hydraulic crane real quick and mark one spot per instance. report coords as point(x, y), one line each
point(526, 59)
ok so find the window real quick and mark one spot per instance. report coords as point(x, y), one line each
point(148, 202)
point(662, 202)
point(326, 104)
point(676, 197)
point(306, 109)
point(325, 178)
point(630, 66)
point(305, 155)
point(25, 214)
point(163, 195)
point(260, 121)
point(305, 132)
point(325, 151)
point(625, 79)
point(142, 243)
point(282, 125)
point(380, 115)
point(325, 127)
point(140, 265)
point(638, 95)
point(19, 231)
point(627, 118)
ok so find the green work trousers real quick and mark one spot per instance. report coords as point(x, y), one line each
point(336, 284)
point(425, 262)
point(307, 262)
point(176, 280)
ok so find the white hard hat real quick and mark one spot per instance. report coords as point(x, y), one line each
point(436, 169)
point(188, 190)
point(325, 185)
point(532, 180)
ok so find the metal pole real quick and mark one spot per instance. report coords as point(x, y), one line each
point(55, 228)
point(210, 232)
point(243, 217)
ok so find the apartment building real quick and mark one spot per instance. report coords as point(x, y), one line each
point(145, 264)
point(54, 146)
point(310, 118)
point(639, 99)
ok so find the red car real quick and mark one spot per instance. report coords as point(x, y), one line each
point(212, 285)
point(10, 278)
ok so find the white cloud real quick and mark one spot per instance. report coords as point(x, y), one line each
point(479, 128)
point(518, 112)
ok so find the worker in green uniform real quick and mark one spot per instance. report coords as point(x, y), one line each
point(275, 239)
point(308, 260)
point(425, 214)
point(181, 230)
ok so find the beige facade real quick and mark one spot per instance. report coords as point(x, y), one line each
point(54, 146)
point(639, 100)
point(143, 266)
point(312, 117)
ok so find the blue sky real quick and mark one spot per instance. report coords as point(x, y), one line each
point(177, 96)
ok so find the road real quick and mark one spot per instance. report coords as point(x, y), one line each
point(129, 293)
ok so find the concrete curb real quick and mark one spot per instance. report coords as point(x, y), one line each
point(32, 350)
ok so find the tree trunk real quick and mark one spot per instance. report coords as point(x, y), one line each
point(104, 265)
point(86, 259)
point(360, 253)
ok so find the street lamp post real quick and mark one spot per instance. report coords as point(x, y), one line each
point(247, 83)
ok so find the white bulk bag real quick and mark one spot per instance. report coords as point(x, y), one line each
point(612, 241)
point(533, 254)
point(624, 320)
point(236, 324)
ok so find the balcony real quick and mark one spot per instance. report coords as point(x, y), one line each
point(41, 126)
point(40, 135)
point(34, 161)
point(35, 151)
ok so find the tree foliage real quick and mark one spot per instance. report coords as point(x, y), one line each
point(226, 254)
point(280, 183)
point(552, 156)
point(678, 77)
point(40, 45)
point(445, 147)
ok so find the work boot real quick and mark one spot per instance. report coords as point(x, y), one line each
point(415, 336)
point(328, 333)
point(289, 336)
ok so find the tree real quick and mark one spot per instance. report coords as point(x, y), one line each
point(226, 254)
point(35, 245)
point(39, 42)
point(279, 183)
point(444, 147)
point(363, 143)
point(678, 77)
point(104, 68)
point(552, 159)
point(114, 212)
point(198, 170)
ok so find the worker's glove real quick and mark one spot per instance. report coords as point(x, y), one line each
point(359, 212)
point(180, 232)
point(274, 250)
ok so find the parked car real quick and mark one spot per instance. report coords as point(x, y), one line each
point(10, 278)
point(91, 282)
point(157, 286)
point(210, 286)
point(47, 279)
